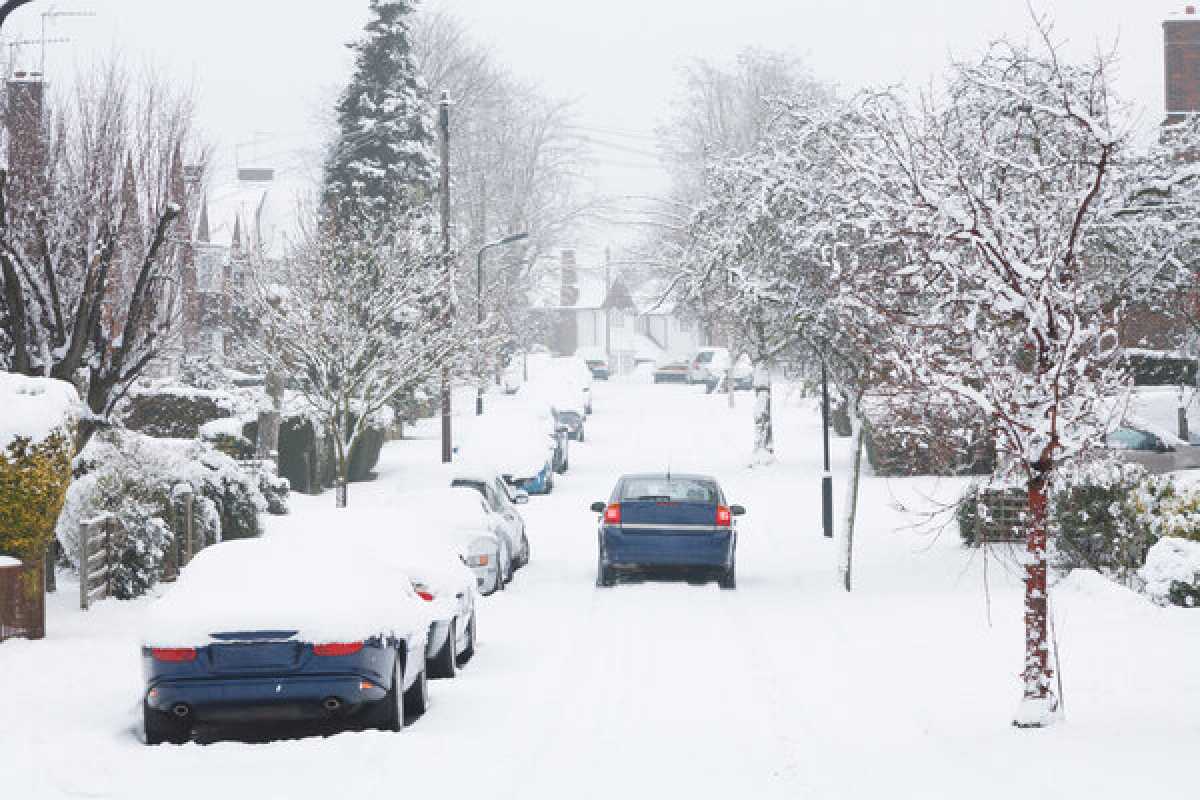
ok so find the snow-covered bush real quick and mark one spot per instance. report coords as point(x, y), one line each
point(1172, 572)
point(140, 479)
point(178, 411)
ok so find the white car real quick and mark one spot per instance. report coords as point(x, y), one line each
point(440, 577)
point(461, 517)
point(503, 501)
point(707, 363)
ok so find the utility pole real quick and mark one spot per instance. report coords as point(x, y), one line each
point(448, 265)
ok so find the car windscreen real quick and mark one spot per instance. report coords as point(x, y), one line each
point(705, 357)
point(664, 489)
point(1132, 439)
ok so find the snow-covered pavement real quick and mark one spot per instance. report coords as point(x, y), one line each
point(786, 687)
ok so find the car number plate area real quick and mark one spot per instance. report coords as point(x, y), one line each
point(256, 656)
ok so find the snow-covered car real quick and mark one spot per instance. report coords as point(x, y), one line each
point(1157, 452)
point(512, 378)
point(460, 517)
point(596, 360)
point(522, 443)
point(707, 363)
point(440, 577)
point(503, 500)
point(262, 629)
point(671, 370)
point(572, 420)
point(743, 374)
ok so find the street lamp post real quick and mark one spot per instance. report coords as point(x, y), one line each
point(516, 237)
point(9, 7)
point(827, 476)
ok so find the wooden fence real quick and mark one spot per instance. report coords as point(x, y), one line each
point(96, 540)
point(22, 611)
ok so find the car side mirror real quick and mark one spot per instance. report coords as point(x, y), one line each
point(521, 497)
point(737, 511)
point(599, 507)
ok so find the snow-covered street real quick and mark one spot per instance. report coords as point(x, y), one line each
point(786, 687)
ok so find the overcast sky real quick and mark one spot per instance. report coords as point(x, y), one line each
point(263, 68)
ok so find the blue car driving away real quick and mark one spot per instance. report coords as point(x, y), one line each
point(667, 521)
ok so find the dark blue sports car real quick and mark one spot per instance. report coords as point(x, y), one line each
point(269, 630)
point(671, 521)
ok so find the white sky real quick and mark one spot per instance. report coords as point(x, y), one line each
point(265, 67)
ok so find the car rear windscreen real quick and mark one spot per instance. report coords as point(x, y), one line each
point(665, 489)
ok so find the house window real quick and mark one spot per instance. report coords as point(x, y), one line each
point(685, 324)
point(618, 320)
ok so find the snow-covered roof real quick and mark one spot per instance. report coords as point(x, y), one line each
point(34, 408)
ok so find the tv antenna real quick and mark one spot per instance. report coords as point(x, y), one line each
point(52, 14)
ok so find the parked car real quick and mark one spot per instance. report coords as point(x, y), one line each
point(596, 360)
point(440, 577)
point(512, 378)
point(671, 370)
point(502, 500)
point(1156, 452)
point(707, 364)
point(743, 374)
point(572, 420)
point(461, 518)
point(263, 629)
point(661, 520)
point(576, 376)
point(522, 443)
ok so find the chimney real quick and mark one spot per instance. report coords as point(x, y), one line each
point(1181, 42)
point(26, 139)
point(569, 294)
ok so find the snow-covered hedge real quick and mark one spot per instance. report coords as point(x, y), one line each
point(139, 479)
point(1172, 572)
point(179, 411)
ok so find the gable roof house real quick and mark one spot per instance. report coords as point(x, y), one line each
point(590, 309)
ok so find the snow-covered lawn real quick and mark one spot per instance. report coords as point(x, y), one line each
point(787, 687)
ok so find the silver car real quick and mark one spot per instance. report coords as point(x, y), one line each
point(502, 500)
point(1152, 451)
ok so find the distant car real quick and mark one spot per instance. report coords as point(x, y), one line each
point(511, 378)
point(462, 518)
point(743, 374)
point(662, 520)
point(1152, 451)
point(264, 629)
point(707, 364)
point(572, 420)
point(596, 360)
point(671, 371)
point(503, 500)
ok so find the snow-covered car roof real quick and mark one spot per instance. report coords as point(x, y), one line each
point(285, 583)
point(449, 507)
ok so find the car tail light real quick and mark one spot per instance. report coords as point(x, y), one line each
point(337, 648)
point(612, 514)
point(423, 592)
point(480, 560)
point(174, 653)
point(724, 517)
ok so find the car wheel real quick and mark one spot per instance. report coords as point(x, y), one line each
point(525, 550)
point(444, 664)
point(161, 727)
point(581, 434)
point(500, 582)
point(469, 651)
point(604, 574)
point(728, 578)
point(388, 713)
point(416, 699)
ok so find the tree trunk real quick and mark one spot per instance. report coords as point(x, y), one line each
point(764, 434)
point(1039, 705)
point(851, 508)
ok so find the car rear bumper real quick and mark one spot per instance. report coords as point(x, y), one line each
point(650, 549)
point(264, 698)
point(671, 377)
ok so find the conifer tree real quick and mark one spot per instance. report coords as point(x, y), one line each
point(382, 164)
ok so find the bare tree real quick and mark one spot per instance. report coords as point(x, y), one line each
point(94, 234)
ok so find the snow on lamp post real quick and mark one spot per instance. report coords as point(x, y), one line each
point(516, 237)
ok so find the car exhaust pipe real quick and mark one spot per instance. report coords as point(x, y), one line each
point(331, 704)
point(180, 710)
